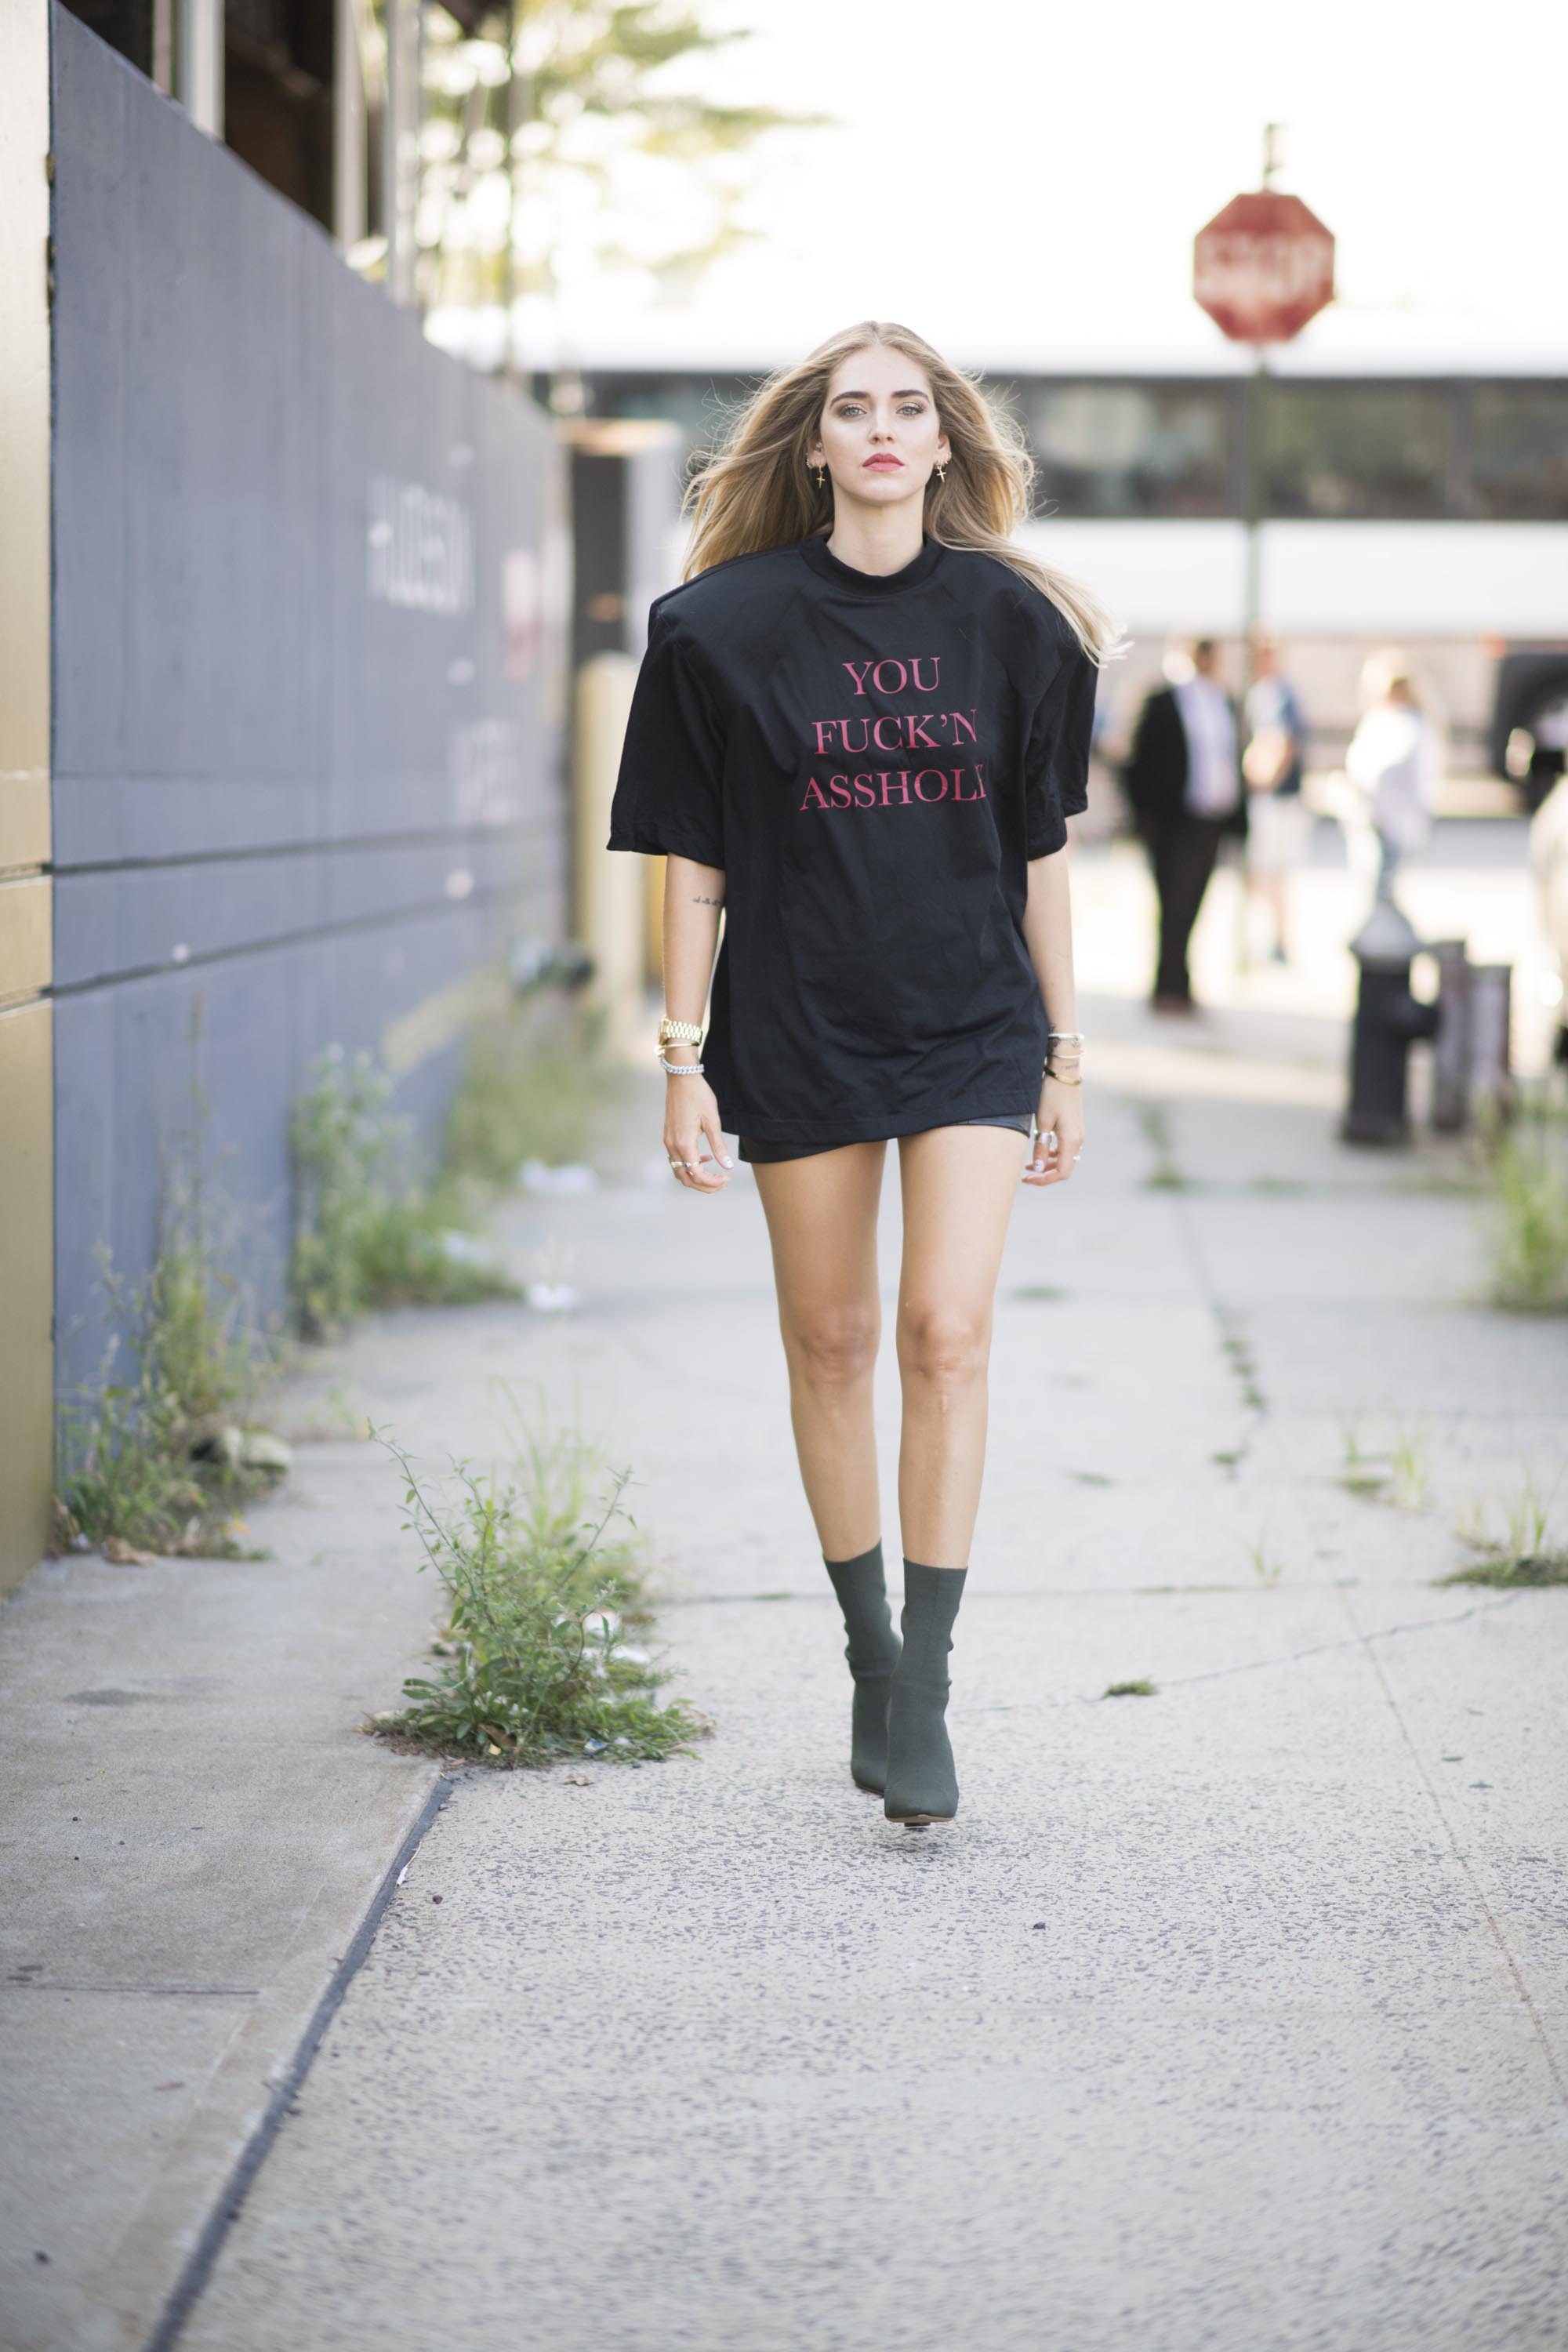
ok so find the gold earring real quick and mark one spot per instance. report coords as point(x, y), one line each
point(821, 476)
point(941, 474)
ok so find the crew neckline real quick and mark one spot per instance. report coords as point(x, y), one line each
point(827, 565)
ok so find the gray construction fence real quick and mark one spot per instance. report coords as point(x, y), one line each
point(309, 605)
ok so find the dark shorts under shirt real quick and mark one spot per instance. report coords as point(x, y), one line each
point(753, 1147)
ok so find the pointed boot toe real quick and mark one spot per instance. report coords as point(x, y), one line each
point(922, 1784)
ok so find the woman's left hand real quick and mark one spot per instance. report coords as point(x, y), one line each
point(1060, 1140)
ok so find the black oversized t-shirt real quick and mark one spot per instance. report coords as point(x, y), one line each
point(872, 761)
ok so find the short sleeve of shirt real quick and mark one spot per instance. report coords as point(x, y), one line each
point(669, 794)
point(1055, 771)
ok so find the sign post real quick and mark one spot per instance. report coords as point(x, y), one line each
point(1261, 269)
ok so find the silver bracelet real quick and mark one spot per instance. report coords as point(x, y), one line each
point(681, 1069)
point(1066, 1037)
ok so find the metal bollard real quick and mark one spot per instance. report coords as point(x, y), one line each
point(1451, 1046)
point(1388, 1020)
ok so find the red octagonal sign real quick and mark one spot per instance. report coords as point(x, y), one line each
point(1263, 267)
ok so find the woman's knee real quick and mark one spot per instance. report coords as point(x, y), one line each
point(833, 1347)
point(943, 1345)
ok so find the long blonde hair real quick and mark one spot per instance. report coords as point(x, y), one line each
point(756, 491)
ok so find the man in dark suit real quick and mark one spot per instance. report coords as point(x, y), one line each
point(1183, 779)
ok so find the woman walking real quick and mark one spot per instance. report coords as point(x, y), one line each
point(858, 729)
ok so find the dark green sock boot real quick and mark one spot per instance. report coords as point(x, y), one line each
point(921, 1784)
point(872, 1652)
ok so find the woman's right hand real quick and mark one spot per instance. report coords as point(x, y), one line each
point(692, 1122)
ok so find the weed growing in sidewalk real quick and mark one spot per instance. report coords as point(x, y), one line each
point(1142, 1689)
point(1155, 1126)
point(1362, 1474)
point(366, 1233)
point(1528, 1215)
point(145, 1466)
point(1266, 1566)
point(1395, 1473)
point(1408, 1486)
point(1242, 1360)
point(535, 1662)
point(527, 1095)
point(1523, 1553)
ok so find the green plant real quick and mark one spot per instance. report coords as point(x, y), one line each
point(1142, 1689)
point(618, 166)
point(1154, 1125)
point(1266, 1567)
point(366, 1233)
point(1528, 1218)
point(193, 1362)
point(1511, 1574)
point(1408, 1459)
point(1395, 1473)
point(1244, 1364)
point(534, 1659)
point(1360, 1475)
point(1524, 1554)
point(528, 1096)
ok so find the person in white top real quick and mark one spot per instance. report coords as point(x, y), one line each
point(1393, 762)
point(1549, 863)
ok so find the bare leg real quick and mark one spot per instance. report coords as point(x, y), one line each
point(959, 1185)
point(822, 1222)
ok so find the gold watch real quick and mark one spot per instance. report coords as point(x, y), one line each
point(679, 1032)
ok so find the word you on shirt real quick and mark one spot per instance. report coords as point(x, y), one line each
point(894, 730)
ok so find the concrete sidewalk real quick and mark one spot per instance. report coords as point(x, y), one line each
point(1228, 2018)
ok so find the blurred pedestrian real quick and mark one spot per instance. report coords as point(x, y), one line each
point(897, 958)
point(1549, 863)
point(1393, 765)
point(1183, 782)
point(1272, 765)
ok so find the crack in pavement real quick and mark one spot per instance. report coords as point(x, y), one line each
point(1284, 1657)
point(1460, 1855)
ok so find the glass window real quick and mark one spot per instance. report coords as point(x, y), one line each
point(1338, 451)
point(1129, 449)
point(1518, 452)
point(699, 406)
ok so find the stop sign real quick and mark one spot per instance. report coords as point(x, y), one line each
point(1263, 267)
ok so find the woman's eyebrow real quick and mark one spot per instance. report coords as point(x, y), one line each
point(914, 391)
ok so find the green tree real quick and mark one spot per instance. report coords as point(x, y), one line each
point(558, 142)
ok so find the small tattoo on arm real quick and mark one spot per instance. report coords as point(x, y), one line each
point(707, 902)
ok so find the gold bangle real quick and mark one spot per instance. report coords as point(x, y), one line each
point(1057, 1078)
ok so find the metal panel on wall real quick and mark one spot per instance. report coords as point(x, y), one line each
point(25, 1096)
point(310, 603)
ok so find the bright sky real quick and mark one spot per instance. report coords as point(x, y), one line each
point(1013, 179)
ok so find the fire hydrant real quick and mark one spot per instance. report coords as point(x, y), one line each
point(1388, 1020)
